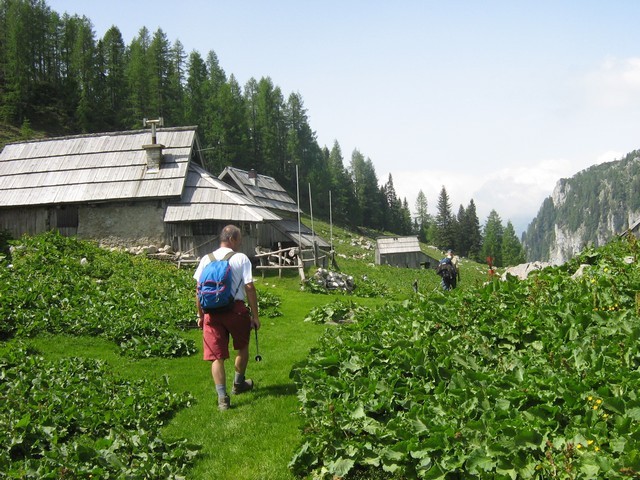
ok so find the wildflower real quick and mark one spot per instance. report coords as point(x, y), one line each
point(589, 398)
point(579, 446)
point(589, 442)
point(595, 407)
point(606, 415)
point(593, 280)
point(606, 269)
point(598, 401)
point(597, 449)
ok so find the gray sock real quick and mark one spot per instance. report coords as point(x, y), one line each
point(239, 378)
point(222, 391)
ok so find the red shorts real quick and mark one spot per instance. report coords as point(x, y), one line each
point(217, 327)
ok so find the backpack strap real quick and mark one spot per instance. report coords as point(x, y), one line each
point(227, 257)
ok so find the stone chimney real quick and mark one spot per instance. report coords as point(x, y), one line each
point(154, 149)
point(253, 177)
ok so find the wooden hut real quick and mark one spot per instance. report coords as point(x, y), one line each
point(402, 252)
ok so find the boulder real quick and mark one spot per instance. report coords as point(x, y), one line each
point(523, 270)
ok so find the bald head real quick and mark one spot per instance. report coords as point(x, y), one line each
point(230, 235)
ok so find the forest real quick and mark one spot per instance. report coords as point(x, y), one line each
point(56, 77)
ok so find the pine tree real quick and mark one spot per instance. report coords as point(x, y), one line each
point(405, 214)
point(422, 216)
point(175, 111)
point(492, 241)
point(369, 197)
point(512, 251)
point(83, 67)
point(471, 232)
point(113, 54)
point(392, 211)
point(195, 91)
point(444, 225)
point(460, 243)
point(138, 74)
point(343, 199)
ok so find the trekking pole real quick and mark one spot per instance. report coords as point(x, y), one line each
point(258, 356)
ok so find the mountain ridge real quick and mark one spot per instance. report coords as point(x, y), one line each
point(587, 209)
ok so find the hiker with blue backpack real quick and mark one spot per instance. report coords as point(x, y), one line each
point(225, 281)
point(448, 271)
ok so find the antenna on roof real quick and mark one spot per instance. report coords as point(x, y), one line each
point(159, 122)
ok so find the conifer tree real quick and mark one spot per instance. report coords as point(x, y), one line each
point(392, 211)
point(422, 216)
point(471, 232)
point(405, 214)
point(195, 90)
point(492, 241)
point(460, 239)
point(512, 251)
point(138, 74)
point(343, 200)
point(444, 225)
point(369, 196)
point(113, 54)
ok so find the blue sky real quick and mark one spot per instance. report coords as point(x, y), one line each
point(495, 100)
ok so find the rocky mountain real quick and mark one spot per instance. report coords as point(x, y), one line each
point(586, 209)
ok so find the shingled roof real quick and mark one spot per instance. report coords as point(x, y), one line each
point(208, 198)
point(265, 190)
point(95, 168)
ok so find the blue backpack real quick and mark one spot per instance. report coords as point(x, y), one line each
point(214, 288)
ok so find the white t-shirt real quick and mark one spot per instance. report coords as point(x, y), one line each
point(241, 273)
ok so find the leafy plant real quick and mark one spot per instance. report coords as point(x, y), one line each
point(74, 419)
point(532, 379)
point(338, 311)
point(269, 304)
point(63, 285)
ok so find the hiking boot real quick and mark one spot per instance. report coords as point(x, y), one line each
point(224, 403)
point(242, 387)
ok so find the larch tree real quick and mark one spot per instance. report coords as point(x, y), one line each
point(113, 55)
point(138, 74)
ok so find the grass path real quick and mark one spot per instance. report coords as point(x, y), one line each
point(257, 438)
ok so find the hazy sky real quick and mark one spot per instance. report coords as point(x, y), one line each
point(495, 100)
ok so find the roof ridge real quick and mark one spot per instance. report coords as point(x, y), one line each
point(106, 134)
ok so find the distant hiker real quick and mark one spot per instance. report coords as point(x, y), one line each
point(447, 272)
point(415, 286)
point(235, 320)
point(455, 261)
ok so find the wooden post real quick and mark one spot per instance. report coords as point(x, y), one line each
point(279, 260)
point(300, 266)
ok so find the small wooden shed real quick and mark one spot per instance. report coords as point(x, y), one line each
point(402, 252)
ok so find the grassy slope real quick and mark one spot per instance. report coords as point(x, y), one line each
point(257, 438)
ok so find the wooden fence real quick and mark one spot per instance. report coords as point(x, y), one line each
point(292, 257)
